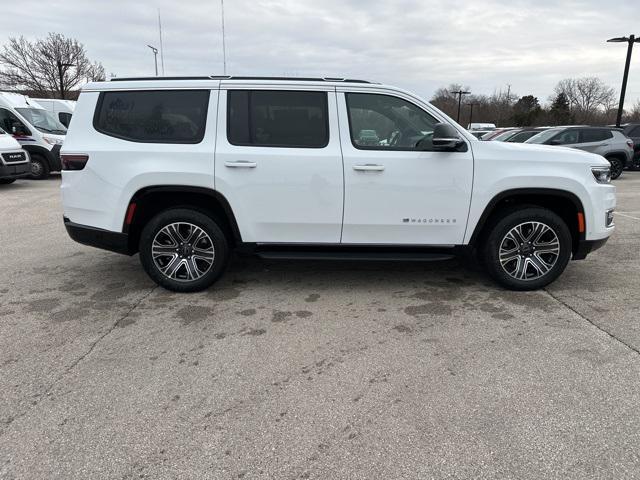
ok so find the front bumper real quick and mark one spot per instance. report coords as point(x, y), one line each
point(96, 237)
point(585, 247)
point(10, 171)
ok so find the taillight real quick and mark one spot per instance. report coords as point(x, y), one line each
point(630, 143)
point(73, 161)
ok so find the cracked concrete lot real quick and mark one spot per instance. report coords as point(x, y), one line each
point(312, 370)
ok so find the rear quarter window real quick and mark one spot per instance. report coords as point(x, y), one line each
point(162, 116)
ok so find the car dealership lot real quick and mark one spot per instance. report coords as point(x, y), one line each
point(309, 369)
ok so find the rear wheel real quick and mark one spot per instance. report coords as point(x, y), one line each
point(6, 181)
point(527, 249)
point(183, 250)
point(617, 166)
point(39, 167)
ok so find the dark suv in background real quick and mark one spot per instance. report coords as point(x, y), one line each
point(632, 131)
point(611, 143)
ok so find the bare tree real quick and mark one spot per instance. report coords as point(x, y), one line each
point(634, 114)
point(587, 97)
point(55, 65)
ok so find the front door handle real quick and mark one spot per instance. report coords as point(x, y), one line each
point(240, 164)
point(369, 167)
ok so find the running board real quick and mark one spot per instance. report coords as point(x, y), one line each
point(354, 255)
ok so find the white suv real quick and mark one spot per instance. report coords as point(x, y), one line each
point(184, 170)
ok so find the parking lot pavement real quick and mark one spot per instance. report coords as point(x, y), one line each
point(312, 370)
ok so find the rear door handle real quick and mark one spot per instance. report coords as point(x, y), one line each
point(240, 164)
point(369, 167)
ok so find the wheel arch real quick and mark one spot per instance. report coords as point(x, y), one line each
point(151, 200)
point(562, 202)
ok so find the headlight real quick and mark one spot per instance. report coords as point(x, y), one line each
point(52, 141)
point(602, 174)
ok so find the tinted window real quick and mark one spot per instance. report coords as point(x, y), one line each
point(594, 135)
point(277, 118)
point(164, 116)
point(634, 132)
point(566, 137)
point(384, 122)
point(64, 118)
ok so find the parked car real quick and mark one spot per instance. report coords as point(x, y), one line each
point(498, 131)
point(519, 135)
point(632, 130)
point(184, 171)
point(37, 130)
point(611, 143)
point(61, 109)
point(14, 161)
point(479, 134)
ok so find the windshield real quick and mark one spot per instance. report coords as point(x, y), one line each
point(542, 137)
point(43, 120)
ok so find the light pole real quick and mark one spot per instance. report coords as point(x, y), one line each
point(631, 39)
point(155, 56)
point(459, 93)
point(471, 105)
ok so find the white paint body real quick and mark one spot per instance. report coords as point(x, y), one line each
point(292, 195)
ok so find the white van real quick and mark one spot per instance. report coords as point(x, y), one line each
point(14, 161)
point(36, 129)
point(481, 126)
point(61, 109)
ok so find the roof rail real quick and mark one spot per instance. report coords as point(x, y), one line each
point(231, 77)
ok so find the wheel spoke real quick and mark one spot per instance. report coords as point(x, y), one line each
point(172, 267)
point(539, 264)
point(163, 250)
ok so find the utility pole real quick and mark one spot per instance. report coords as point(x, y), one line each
point(459, 93)
point(471, 105)
point(155, 56)
point(161, 48)
point(630, 40)
point(224, 46)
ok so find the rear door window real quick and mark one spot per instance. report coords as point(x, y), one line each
point(276, 118)
point(161, 116)
point(595, 135)
point(566, 137)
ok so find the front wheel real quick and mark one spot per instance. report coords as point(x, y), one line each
point(616, 167)
point(39, 167)
point(183, 250)
point(527, 249)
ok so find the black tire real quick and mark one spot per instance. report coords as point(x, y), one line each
point(617, 166)
point(6, 181)
point(497, 237)
point(39, 167)
point(179, 280)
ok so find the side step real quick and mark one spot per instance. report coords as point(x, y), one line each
point(384, 254)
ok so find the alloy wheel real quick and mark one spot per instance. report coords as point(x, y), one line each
point(529, 251)
point(182, 251)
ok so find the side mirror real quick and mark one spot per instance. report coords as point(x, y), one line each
point(446, 138)
point(555, 142)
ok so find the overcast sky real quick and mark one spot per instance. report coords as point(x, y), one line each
point(417, 44)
